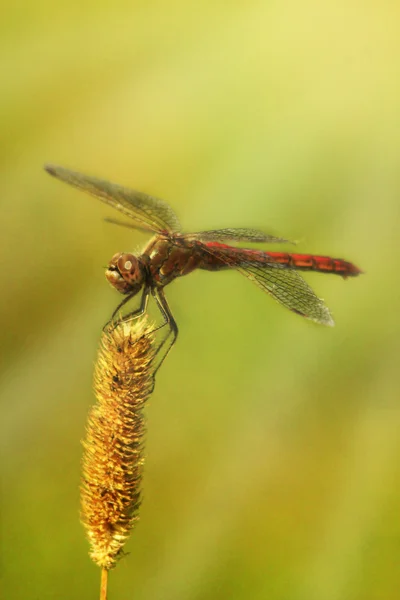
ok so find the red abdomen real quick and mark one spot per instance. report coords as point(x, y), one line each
point(236, 257)
point(312, 262)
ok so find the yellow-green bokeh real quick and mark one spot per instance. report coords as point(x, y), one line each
point(272, 450)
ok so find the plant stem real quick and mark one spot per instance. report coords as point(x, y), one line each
point(103, 584)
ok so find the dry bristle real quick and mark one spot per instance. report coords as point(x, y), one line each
point(113, 448)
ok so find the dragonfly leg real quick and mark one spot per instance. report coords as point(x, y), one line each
point(133, 315)
point(158, 295)
point(162, 304)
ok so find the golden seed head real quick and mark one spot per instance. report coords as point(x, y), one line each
point(113, 449)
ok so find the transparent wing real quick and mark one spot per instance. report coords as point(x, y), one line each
point(289, 288)
point(151, 213)
point(237, 234)
point(281, 282)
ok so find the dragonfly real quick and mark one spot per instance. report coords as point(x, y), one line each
point(171, 254)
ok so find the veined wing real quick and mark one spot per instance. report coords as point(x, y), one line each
point(289, 288)
point(149, 212)
point(280, 281)
point(237, 234)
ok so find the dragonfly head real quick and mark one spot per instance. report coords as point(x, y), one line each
point(125, 272)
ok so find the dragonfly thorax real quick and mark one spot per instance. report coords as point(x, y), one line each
point(126, 273)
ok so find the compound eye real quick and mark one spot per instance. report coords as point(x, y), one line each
point(113, 264)
point(114, 260)
point(127, 265)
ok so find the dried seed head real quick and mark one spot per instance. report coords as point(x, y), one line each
point(113, 449)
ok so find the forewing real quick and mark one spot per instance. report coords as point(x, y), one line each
point(237, 234)
point(283, 283)
point(149, 212)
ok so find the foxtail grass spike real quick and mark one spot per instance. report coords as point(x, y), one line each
point(113, 449)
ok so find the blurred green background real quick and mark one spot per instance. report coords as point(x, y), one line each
point(273, 444)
